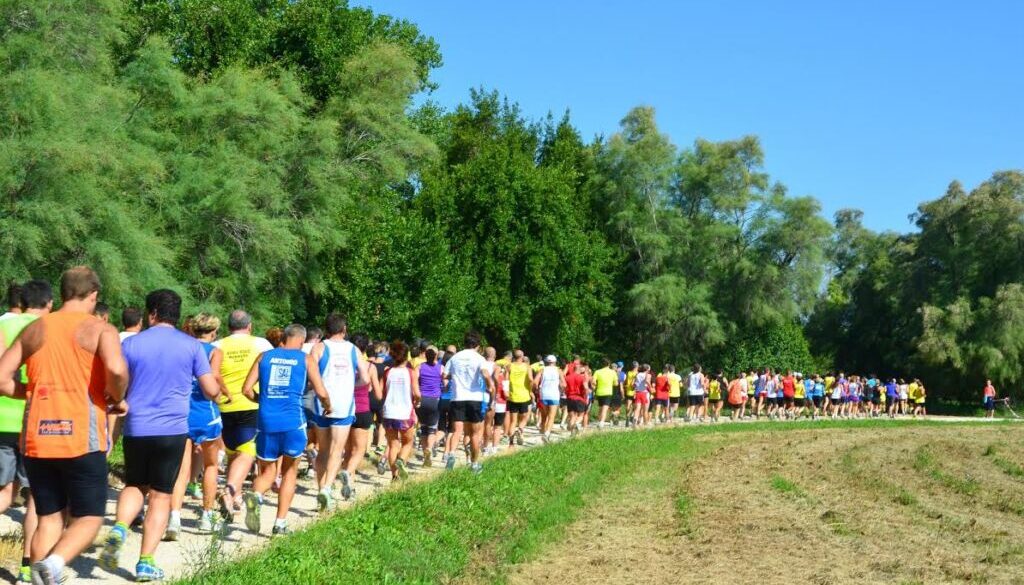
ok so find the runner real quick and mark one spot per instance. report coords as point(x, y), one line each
point(13, 301)
point(341, 370)
point(989, 399)
point(359, 435)
point(617, 398)
point(519, 399)
point(490, 370)
point(472, 390)
point(642, 396)
point(549, 381)
point(36, 299)
point(661, 395)
point(675, 391)
point(431, 379)
point(204, 431)
point(162, 363)
point(131, 323)
point(500, 404)
point(716, 388)
point(629, 390)
point(694, 394)
point(576, 397)
point(281, 439)
point(920, 399)
point(64, 439)
point(738, 396)
point(401, 394)
point(379, 361)
point(605, 381)
point(788, 395)
point(230, 362)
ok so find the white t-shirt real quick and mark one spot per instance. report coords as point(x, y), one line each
point(398, 402)
point(126, 334)
point(696, 385)
point(466, 370)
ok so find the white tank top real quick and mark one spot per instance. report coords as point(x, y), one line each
point(339, 375)
point(550, 384)
point(398, 401)
point(696, 384)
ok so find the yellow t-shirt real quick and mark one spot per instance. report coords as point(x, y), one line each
point(604, 380)
point(504, 362)
point(416, 361)
point(751, 385)
point(239, 351)
point(830, 382)
point(799, 390)
point(675, 382)
point(714, 390)
point(518, 386)
point(537, 366)
point(630, 378)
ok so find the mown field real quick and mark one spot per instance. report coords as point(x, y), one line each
point(860, 501)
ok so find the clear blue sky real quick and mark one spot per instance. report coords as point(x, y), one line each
point(870, 104)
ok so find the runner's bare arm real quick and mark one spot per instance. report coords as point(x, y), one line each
point(364, 373)
point(313, 373)
point(216, 359)
point(375, 384)
point(251, 378)
point(414, 375)
point(108, 348)
point(208, 384)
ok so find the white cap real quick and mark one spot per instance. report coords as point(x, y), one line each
point(550, 359)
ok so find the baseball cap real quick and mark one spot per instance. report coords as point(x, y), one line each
point(550, 359)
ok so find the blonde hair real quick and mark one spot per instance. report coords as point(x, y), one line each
point(203, 323)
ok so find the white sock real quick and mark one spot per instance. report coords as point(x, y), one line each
point(176, 516)
point(55, 562)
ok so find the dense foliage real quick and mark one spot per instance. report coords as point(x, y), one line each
point(266, 154)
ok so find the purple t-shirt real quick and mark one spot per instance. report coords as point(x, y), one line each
point(430, 380)
point(162, 362)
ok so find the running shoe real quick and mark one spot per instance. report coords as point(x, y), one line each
point(346, 485)
point(25, 575)
point(252, 511)
point(449, 463)
point(476, 468)
point(111, 552)
point(519, 437)
point(146, 571)
point(194, 490)
point(382, 466)
point(227, 504)
point(42, 574)
point(173, 529)
point(427, 461)
point(209, 521)
point(403, 473)
point(324, 501)
point(280, 530)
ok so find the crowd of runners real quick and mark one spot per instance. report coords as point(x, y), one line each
point(226, 419)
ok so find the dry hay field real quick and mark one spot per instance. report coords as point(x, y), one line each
point(906, 504)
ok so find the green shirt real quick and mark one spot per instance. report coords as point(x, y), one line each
point(605, 380)
point(12, 410)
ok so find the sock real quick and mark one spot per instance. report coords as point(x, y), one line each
point(26, 562)
point(121, 527)
point(56, 563)
point(147, 560)
point(176, 516)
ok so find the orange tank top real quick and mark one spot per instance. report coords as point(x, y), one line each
point(65, 408)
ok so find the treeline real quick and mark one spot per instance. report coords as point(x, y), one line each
point(266, 154)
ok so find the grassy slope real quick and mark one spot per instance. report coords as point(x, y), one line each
point(429, 532)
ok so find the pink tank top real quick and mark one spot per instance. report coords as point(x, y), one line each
point(362, 398)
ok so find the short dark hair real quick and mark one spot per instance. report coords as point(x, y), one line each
point(79, 282)
point(14, 295)
point(101, 309)
point(165, 304)
point(130, 317)
point(335, 323)
point(361, 341)
point(238, 319)
point(35, 294)
point(313, 333)
point(295, 330)
point(472, 340)
point(431, 355)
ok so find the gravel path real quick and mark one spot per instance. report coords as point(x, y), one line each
point(177, 558)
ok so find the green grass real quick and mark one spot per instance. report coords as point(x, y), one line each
point(925, 462)
point(431, 532)
point(784, 486)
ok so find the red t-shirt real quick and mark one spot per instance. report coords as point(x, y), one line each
point(575, 387)
point(661, 387)
point(788, 390)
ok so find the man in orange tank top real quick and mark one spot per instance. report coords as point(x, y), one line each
point(75, 368)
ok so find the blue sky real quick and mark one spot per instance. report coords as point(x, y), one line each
point(867, 104)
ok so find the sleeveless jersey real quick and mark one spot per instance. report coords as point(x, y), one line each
point(282, 383)
point(65, 407)
point(339, 366)
point(550, 383)
point(519, 388)
point(398, 394)
point(202, 412)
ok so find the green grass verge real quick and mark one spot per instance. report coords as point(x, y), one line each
point(430, 532)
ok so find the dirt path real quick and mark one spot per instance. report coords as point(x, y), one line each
point(906, 505)
point(177, 558)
